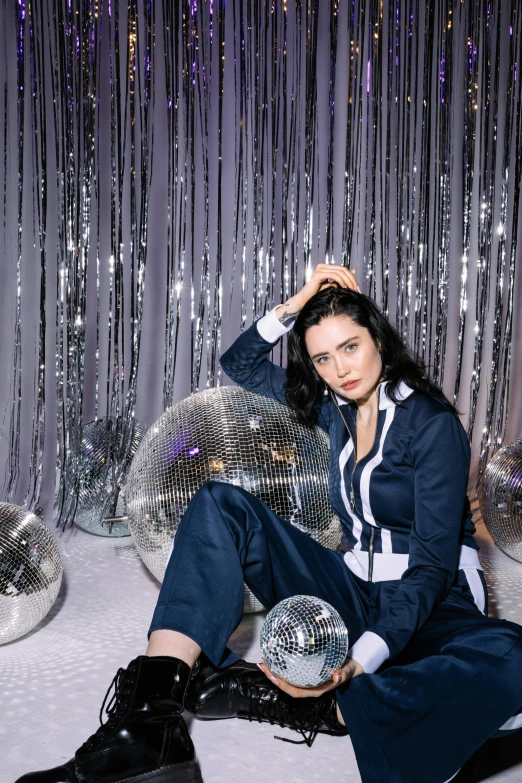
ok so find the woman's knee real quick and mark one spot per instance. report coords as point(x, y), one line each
point(220, 495)
point(209, 509)
point(219, 491)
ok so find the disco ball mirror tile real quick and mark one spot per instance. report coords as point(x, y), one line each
point(232, 435)
point(101, 476)
point(304, 640)
point(500, 499)
point(30, 571)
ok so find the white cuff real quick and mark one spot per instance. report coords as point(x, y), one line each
point(270, 327)
point(370, 651)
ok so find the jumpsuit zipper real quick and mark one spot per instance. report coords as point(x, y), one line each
point(370, 558)
point(352, 491)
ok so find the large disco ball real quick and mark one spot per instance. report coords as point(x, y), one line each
point(500, 499)
point(232, 435)
point(103, 466)
point(30, 571)
point(304, 640)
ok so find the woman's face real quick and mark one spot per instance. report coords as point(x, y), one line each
point(345, 357)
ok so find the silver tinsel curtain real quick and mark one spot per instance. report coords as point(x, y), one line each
point(172, 169)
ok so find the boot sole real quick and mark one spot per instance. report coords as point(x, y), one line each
point(180, 773)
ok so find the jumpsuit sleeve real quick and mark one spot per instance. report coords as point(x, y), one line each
point(246, 362)
point(440, 455)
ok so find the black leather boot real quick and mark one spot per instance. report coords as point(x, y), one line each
point(243, 691)
point(145, 738)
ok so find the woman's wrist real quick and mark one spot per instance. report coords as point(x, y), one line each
point(288, 312)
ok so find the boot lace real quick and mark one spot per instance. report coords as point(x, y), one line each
point(273, 709)
point(114, 707)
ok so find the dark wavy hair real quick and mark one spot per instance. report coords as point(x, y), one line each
point(304, 387)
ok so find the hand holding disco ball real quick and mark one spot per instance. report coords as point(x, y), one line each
point(304, 640)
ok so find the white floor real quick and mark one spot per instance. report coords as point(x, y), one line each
point(52, 681)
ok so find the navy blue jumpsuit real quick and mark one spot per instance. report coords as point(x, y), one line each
point(440, 676)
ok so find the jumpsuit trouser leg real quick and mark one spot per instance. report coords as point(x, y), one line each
point(423, 716)
point(419, 718)
point(229, 537)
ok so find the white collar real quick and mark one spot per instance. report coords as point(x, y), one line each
point(401, 392)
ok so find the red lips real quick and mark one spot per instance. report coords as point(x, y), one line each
point(350, 385)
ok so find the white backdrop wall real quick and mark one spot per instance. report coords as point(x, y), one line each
point(173, 169)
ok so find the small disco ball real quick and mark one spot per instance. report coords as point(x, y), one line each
point(30, 571)
point(304, 640)
point(232, 435)
point(500, 499)
point(101, 475)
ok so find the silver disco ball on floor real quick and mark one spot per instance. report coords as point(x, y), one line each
point(101, 475)
point(304, 640)
point(500, 499)
point(30, 571)
point(232, 435)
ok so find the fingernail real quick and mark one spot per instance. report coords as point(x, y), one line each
point(358, 289)
point(337, 678)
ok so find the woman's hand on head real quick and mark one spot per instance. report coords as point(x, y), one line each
point(324, 275)
point(351, 669)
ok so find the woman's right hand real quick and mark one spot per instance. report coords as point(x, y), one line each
point(324, 275)
point(343, 674)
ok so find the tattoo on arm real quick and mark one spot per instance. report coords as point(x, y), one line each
point(288, 318)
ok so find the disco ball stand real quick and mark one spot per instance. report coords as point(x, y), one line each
point(102, 470)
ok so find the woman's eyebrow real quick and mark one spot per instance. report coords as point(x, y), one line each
point(338, 347)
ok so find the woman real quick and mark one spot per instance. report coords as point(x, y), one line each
point(429, 677)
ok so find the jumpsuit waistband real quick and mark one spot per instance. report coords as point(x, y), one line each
point(388, 566)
